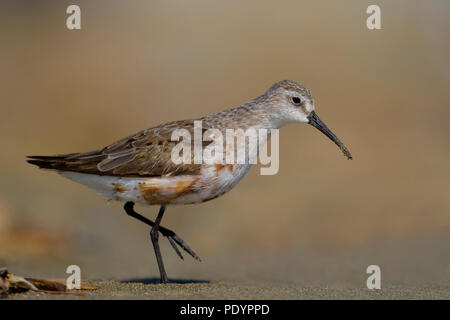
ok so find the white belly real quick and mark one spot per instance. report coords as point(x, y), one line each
point(212, 182)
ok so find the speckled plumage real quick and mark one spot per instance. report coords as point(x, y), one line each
point(139, 167)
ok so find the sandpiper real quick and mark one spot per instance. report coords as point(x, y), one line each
point(139, 168)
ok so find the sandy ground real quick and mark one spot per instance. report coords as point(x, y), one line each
point(413, 269)
point(114, 289)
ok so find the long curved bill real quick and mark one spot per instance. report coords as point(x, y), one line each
point(315, 121)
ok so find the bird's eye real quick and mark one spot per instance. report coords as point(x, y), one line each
point(296, 100)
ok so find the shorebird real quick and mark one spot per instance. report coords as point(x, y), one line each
point(139, 168)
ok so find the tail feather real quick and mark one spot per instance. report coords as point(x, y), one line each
point(43, 164)
point(77, 162)
point(55, 157)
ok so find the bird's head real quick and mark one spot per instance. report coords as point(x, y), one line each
point(289, 101)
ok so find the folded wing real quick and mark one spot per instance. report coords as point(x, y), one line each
point(146, 153)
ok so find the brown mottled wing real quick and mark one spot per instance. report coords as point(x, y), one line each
point(146, 153)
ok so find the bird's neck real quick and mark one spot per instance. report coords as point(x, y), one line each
point(261, 116)
point(257, 114)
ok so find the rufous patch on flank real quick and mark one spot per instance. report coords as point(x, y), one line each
point(219, 167)
point(119, 187)
point(158, 193)
point(150, 192)
point(183, 186)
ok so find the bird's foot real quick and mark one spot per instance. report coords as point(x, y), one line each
point(175, 240)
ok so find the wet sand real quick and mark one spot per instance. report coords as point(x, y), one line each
point(113, 289)
point(412, 269)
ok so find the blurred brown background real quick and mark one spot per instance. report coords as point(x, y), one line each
point(136, 64)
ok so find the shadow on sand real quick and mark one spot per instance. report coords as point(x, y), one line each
point(156, 281)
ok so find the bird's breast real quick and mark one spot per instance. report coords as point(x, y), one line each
point(212, 182)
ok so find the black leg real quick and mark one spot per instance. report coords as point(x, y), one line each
point(173, 238)
point(154, 235)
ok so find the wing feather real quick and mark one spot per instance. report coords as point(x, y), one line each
point(146, 153)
